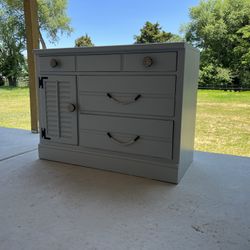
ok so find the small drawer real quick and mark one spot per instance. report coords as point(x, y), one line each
point(98, 63)
point(131, 95)
point(57, 63)
point(151, 62)
point(127, 135)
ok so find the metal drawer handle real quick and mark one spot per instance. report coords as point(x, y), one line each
point(53, 63)
point(147, 61)
point(124, 102)
point(71, 107)
point(124, 143)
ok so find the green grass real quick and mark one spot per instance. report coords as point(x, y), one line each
point(223, 118)
point(14, 107)
point(223, 122)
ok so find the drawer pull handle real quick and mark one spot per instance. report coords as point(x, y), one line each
point(124, 102)
point(124, 143)
point(147, 61)
point(53, 63)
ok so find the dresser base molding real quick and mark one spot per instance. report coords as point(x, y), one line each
point(166, 173)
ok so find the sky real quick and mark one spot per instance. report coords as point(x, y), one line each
point(114, 22)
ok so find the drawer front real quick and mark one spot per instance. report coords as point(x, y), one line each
point(98, 63)
point(57, 63)
point(137, 95)
point(127, 135)
point(151, 62)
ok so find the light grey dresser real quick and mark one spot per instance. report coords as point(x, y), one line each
point(128, 109)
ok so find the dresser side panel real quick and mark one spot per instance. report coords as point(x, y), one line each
point(189, 102)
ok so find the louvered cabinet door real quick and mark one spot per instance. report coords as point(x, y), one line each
point(58, 109)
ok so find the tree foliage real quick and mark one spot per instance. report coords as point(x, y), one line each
point(52, 16)
point(153, 33)
point(11, 46)
point(221, 30)
point(84, 41)
point(52, 19)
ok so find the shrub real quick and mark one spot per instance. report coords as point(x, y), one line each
point(215, 76)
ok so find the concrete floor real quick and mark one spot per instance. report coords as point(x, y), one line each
point(16, 141)
point(55, 206)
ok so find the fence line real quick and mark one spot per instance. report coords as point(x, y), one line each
point(231, 88)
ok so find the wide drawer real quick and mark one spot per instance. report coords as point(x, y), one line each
point(166, 61)
point(98, 63)
point(137, 95)
point(128, 135)
point(57, 63)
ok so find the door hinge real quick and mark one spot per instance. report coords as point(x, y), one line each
point(43, 134)
point(40, 79)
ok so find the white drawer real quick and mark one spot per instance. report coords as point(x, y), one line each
point(57, 63)
point(127, 135)
point(98, 63)
point(150, 62)
point(137, 95)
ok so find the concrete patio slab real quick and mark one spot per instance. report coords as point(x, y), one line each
point(49, 205)
point(16, 141)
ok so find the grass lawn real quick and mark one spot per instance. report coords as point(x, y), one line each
point(223, 122)
point(14, 107)
point(223, 118)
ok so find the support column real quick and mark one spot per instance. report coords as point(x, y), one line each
point(32, 35)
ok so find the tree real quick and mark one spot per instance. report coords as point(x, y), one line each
point(153, 33)
point(221, 30)
point(53, 20)
point(11, 46)
point(84, 41)
point(52, 17)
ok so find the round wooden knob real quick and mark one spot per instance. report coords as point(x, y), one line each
point(53, 63)
point(71, 107)
point(147, 61)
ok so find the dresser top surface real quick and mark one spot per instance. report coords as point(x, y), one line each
point(115, 49)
